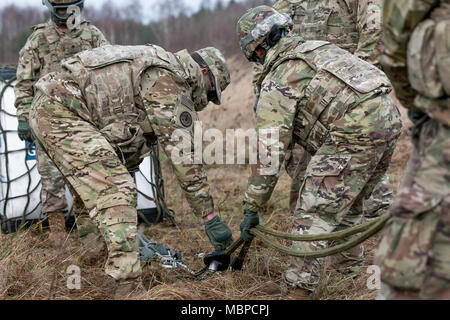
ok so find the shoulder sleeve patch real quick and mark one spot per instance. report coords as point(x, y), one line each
point(187, 102)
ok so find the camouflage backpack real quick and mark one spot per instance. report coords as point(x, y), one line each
point(429, 55)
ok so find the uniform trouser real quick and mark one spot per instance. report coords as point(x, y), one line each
point(414, 252)
point(376, 204)
point(297, 160)
point(96, 175)
point(53, 191)
point(340, 176)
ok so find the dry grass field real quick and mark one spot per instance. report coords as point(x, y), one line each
point(30, 268)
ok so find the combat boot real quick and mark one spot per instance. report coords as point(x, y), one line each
point(57, 224)
point(129, 289)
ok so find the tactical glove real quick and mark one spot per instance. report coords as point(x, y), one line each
point(25, 131)
point(251, 219)
point(218, 233)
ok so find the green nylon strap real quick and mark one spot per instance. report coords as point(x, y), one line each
point(373, 229)
point(317, 237)
point(234, 246)
point(365, 230)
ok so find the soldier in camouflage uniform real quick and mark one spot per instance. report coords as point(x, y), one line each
point(414, 253)
point(98, 119)
point(338, 108)
point(353, 25)
point(50, 43)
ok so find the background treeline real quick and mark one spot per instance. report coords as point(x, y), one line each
point(175, 28)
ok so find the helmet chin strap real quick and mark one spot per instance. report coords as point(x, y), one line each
point(197, 58)
point(60, 23)
point(266, 45)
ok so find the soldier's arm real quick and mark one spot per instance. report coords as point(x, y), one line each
point(274, 117)
point(400, 17)
point(99, 37)
point(282, 6)
point(257, 72)
point(28, 71)
point(369, 28)
point(162, 95)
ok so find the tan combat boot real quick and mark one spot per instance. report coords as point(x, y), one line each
point(129, 289)
point(57, 224)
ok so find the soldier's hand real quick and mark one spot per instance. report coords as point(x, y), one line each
point(251, 219)
point(218, 233)
point(25, 131)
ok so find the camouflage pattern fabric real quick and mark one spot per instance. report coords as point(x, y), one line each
point(414, 251)
point(42, 54)
point(296, 163)
point(53, 192)
point(337, 107)
point(89, 234)
point(46, 47)
point(297, 160)
point(400, 19)
point(163, 104)
point(353, 25)
point(95, 162)
point(92, 168)
point(253, 32)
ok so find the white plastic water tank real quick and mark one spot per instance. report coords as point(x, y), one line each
point(20, 180)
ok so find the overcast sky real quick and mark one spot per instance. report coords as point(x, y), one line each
point(147, 5)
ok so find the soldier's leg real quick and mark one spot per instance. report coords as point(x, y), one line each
point(437, 284)
point(53, 196)
point(380, 200)
point(297, 160)
point(53, 192)
point(414, 251)
point(94, 246)
point(337, 175)
point(92, 168)
point(333, 183)
point(345, 261)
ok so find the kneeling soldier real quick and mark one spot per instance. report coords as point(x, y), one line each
point(337, 107)
point(97, 120)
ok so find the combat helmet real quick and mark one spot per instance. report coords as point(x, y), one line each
point(214, 60)
point(54, 5)
point(254, 27)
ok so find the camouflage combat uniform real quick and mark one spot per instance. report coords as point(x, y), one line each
point(353, 25)
point(97, 121)
point(47, 46)
point(414, 253)
point(337, 107)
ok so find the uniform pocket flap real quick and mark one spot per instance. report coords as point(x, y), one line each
point(328, 165)
point(311, 45)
